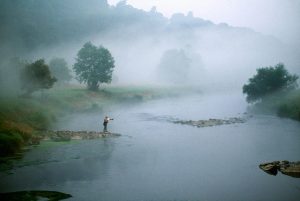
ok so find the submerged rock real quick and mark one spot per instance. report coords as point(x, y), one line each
point(285, 167)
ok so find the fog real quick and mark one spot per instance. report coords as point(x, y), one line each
point(271, 17)
point(195, 140)
point(218, 56)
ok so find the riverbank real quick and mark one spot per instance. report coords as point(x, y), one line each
point(290, 106)
point(285, 105)
point(24, 120)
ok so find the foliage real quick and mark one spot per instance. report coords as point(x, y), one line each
point(269, 80)
point(25, 115)
point(59, 69)
point(36, 76)
point(94, 65)
point(174, 66)
point(19, 120)
point(10, 143)
point(290, 106)
point(28, 24)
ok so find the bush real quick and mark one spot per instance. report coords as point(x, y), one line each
point(290, 106)
point(10, 143)
point(290, 111)
point(269, 80)
point(36, 76)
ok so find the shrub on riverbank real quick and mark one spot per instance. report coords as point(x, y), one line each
point(290, 106)
point(10, 143)
point(282, 104)
point(19, 119)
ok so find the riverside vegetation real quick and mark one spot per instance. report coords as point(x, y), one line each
point(274, 90)
point(23, 121)
point(286, 105)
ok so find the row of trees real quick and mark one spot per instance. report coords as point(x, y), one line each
point(93, 66)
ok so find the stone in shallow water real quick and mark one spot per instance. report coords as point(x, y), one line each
point(210, 122)
point(285, 167)
point(60, 136)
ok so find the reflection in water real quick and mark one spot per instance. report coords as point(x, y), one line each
point(51, 164)
point(164, 161)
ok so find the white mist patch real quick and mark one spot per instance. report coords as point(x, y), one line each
point(220, 56)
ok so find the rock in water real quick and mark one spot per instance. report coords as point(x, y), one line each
point(33, 195)
point(60, 136)
point(210, 122)
point(285, 167)
point(270, 168)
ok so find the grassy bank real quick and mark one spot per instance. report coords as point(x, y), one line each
point(285, 105)
point(22, 119)
point(290, 106)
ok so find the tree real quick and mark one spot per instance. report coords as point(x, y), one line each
point(94, 65)
point(269, 80)
point(36, 76)
point(174, 66)
point(59, 69)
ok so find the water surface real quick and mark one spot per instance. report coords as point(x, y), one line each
point(157, 160)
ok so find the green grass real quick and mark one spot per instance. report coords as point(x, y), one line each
point(30, 112)
point(285, 105)
point(19, 120)
point(290, 106)
point(74, 99)
point(22, 118)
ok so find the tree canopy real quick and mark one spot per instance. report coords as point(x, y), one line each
point(174, 66)
point(94, 65)
point(59, 69)
point(36, 76)
point(269, 80)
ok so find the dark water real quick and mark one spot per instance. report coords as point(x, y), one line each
point(157, 160)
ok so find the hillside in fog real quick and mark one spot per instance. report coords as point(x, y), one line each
point(216, 53)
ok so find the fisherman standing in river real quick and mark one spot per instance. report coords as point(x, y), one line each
point(105, 122)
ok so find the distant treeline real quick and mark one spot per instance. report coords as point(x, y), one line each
point(28, 24)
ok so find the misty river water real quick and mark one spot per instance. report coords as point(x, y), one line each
point(157, 160)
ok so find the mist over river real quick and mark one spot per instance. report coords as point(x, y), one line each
point(155, 159)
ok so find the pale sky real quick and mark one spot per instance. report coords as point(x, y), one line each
point(280, 18)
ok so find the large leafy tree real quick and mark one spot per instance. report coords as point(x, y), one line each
point(94, 65)
point(59, 68)
point(174, 66)
point(36, 76)
point(269, 80)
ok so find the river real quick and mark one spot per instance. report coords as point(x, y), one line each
point(157, 160)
